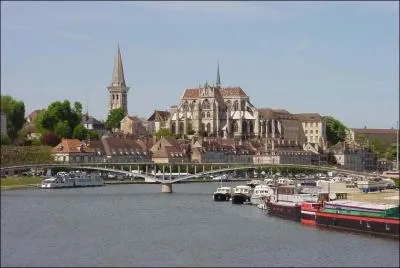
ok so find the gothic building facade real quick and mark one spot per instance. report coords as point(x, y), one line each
point(217, 111)
point(118, 91)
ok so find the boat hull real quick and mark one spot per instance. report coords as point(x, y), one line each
point(378, 226)
point(284, 211)
point(221, 197)
point(240, 199)
point(308, 217)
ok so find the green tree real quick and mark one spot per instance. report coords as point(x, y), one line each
point(92, 135)
point(79, 132)
point(78, 109)
point(60, 118)
point(5, 140)
point(163, 132)
point(114, 118)
point(63, 129)
point(15, 113)
point(335, 130)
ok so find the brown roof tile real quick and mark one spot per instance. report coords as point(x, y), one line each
point(193, 93)
point(309, 117)
point(72, 146)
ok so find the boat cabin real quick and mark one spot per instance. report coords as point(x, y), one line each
point(224, 190)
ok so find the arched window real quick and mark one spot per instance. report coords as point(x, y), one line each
point(208, 127)
point(206, 104)
point(173, 128)
point(181, 127)
point(244, 126)
point(113, 97)
point(203, 115)
point(251, 127)
point(235, 127)
point(208, 114)
point(236, 106)
point(185, 106)
point(117, 97)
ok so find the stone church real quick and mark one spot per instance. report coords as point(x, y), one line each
point(217, 111)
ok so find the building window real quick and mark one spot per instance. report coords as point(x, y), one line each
point(311, 131)
point(208, 115)
point(316, 132)
point(305, 131)
point(236, 106)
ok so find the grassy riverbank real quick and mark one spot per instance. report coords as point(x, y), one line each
point(19, 182)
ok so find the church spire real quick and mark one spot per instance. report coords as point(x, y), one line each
point(218, 82)
point(118, 78)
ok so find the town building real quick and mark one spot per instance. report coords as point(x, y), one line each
point(367, 135)
point(314, 130)
point(91, 123)
point(121, 149)
point(170, 150)
point(118, 91)
point(157, 121)
point(73, 151)
point(354, 157)
point(217, 111)
point(134, 125)
point(30, 128)
point(218, 150)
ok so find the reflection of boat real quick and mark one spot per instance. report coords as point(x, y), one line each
point(261, 191)
point(222, 194)
point(241, 194)
point(64, 181)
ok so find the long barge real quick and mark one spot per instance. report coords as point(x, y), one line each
point(360, 217)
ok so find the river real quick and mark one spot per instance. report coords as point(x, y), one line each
point(137, 225)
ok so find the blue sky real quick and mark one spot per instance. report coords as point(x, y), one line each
point(334, 58)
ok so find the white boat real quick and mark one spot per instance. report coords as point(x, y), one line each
point(57, 182)
point(371, 185)
point(70, 182)
point(261, 191)
point(241, 194)
point(253, 183)
point(222, 194)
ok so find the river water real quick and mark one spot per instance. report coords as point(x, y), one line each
point(137, 225)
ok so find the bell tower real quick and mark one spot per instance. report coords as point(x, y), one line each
point(118, 90)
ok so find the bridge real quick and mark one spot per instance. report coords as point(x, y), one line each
point(165, 178)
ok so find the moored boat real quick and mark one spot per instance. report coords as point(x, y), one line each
point(66, 181)
point(241, 194)
point(380, 219)
point(222, 194)
point(260, 192)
